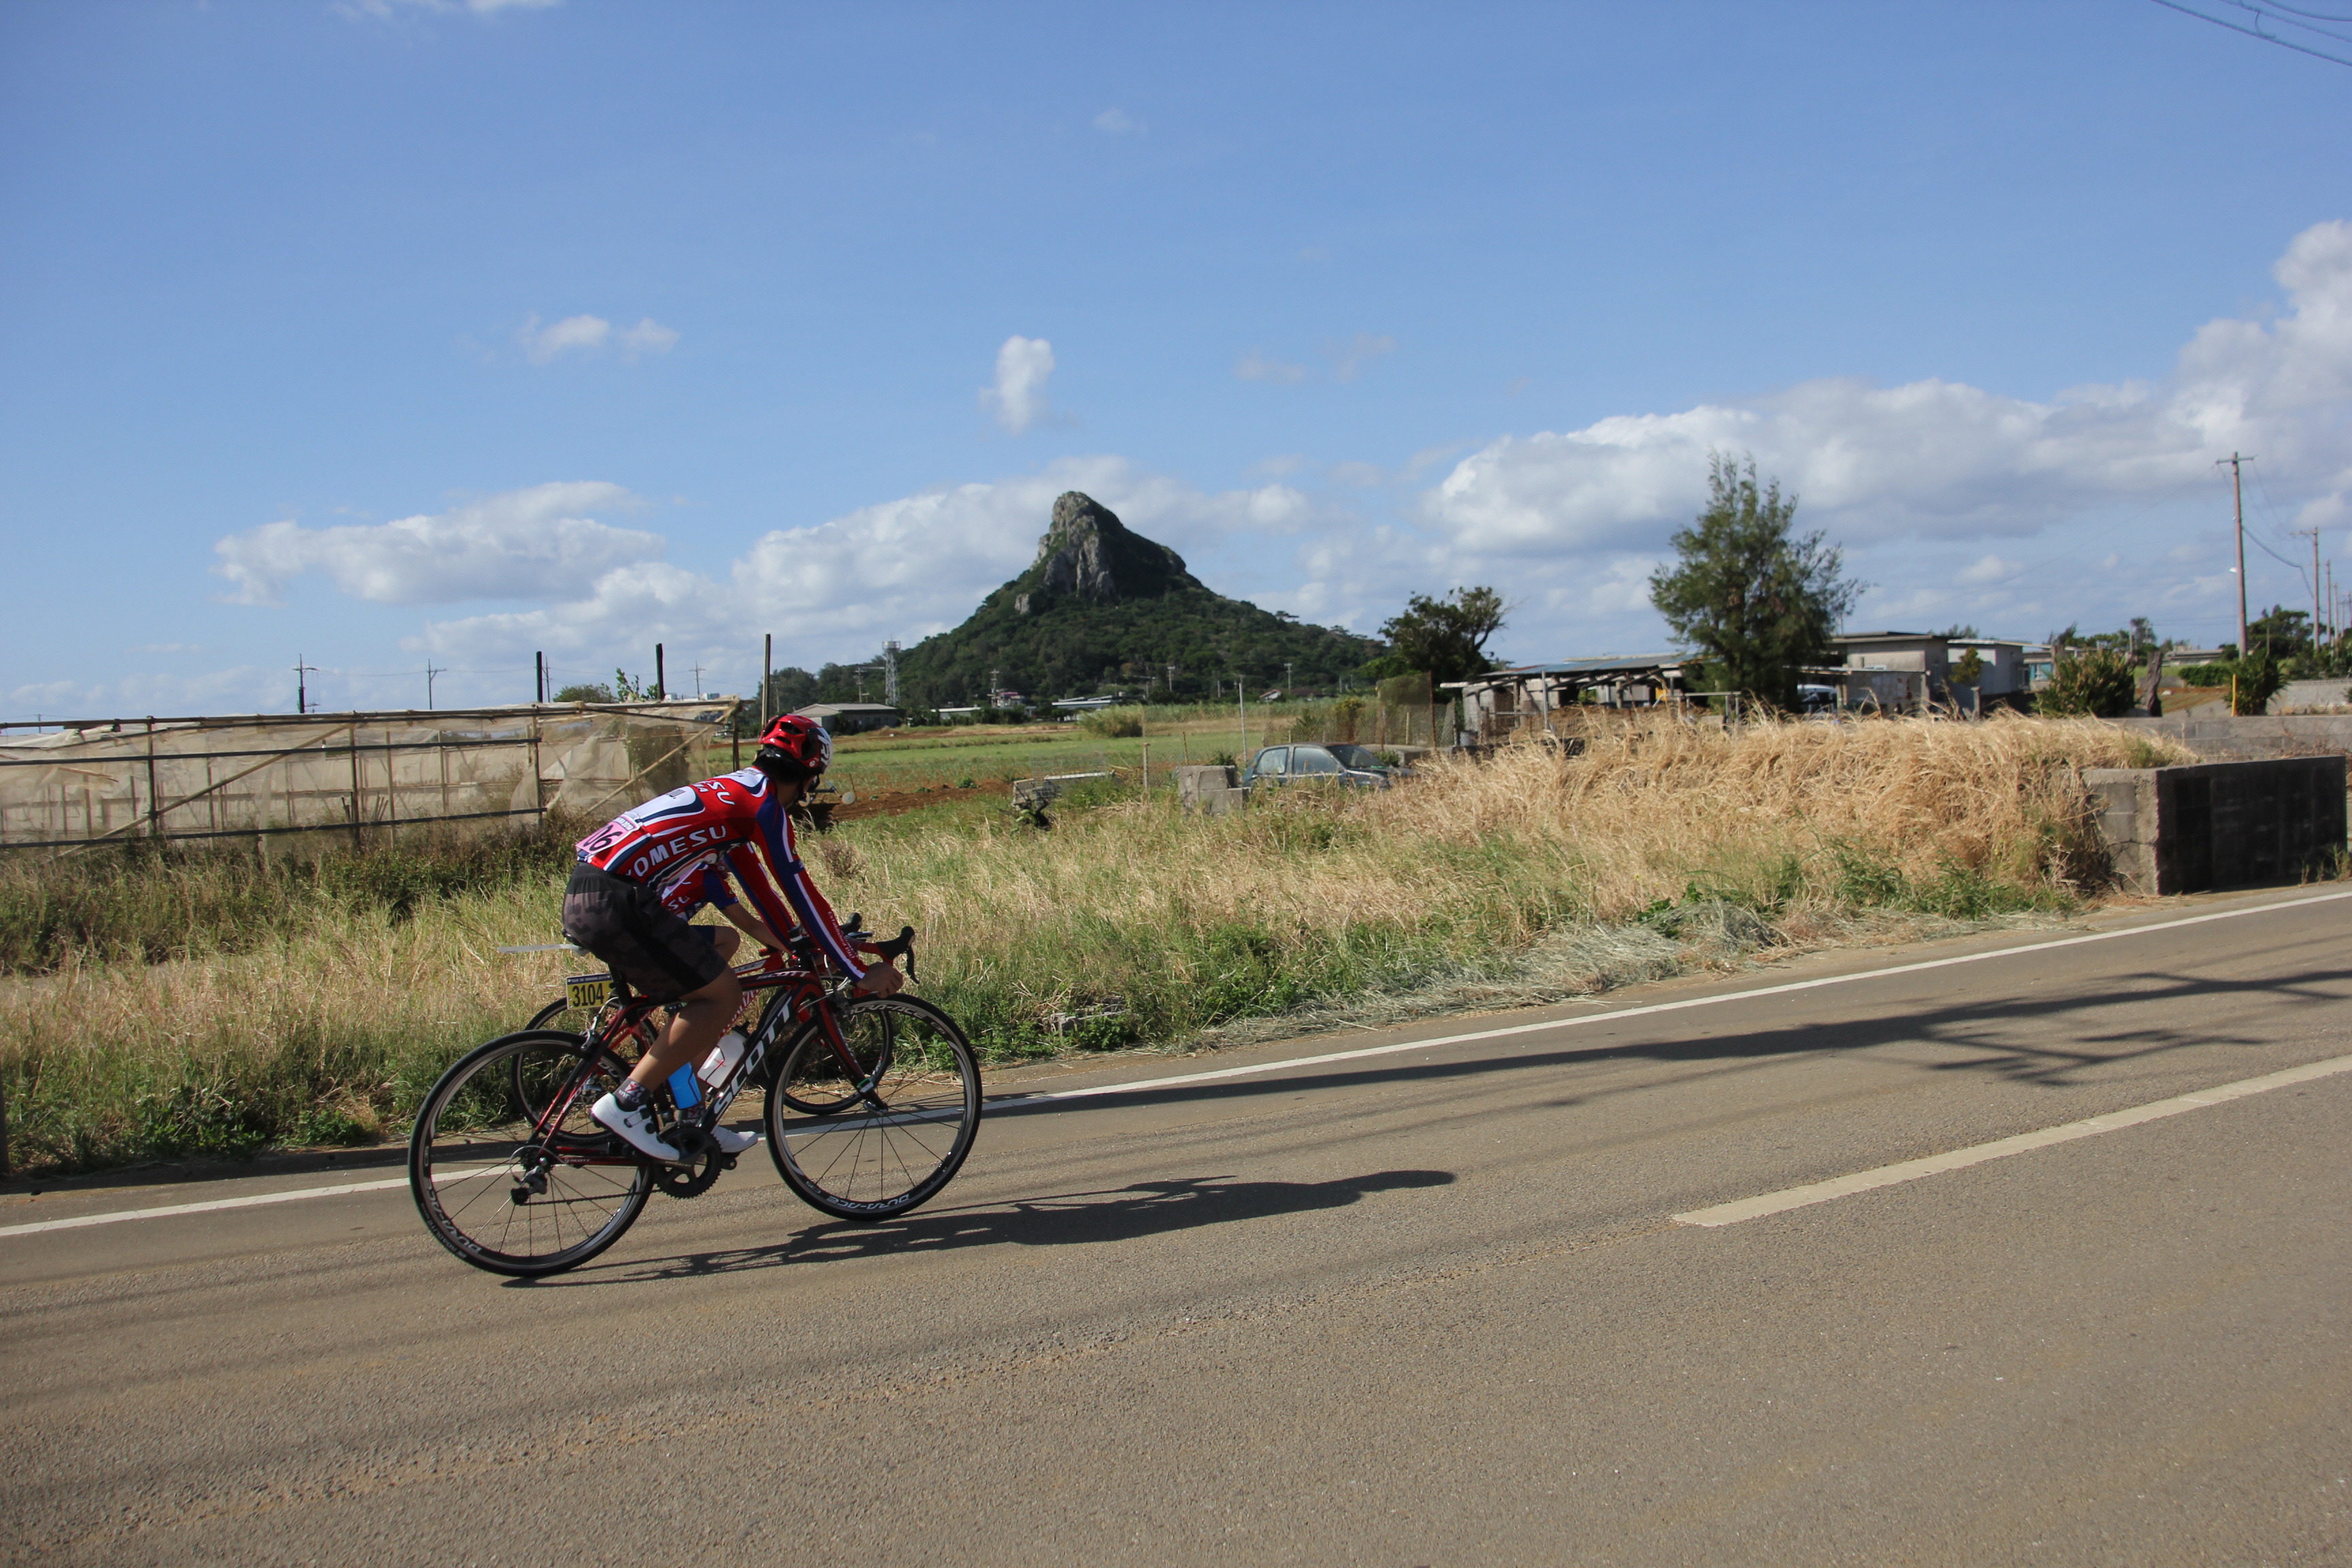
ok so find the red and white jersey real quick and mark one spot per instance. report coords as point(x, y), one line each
point(735, 823)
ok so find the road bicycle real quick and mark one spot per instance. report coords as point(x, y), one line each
point(869, 1104)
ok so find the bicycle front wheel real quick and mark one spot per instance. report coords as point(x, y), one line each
point(892, 1133)
point(505, 1166)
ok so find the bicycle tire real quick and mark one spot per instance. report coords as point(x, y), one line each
point(472, 1161)
point(859, 1162)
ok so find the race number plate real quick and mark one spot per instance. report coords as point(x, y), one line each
point(588, 992)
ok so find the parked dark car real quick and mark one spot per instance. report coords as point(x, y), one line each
point(1341, 763)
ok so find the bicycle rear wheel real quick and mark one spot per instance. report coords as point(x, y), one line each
point(890, 1137)
point(506, 1190)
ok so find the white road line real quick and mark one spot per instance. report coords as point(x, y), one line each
point(1022, 1103)
point(1138, 1085)
point(259, 1198)
point(2000, 1147)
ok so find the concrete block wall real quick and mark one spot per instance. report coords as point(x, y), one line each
point(2220, 824)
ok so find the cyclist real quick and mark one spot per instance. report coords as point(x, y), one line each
point(614, 908)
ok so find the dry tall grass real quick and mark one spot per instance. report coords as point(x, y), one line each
point(1129, 921)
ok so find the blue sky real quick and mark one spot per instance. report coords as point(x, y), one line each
point(398, 334)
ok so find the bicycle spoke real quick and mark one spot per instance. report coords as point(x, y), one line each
point(507, 1169)
point(843, 1155)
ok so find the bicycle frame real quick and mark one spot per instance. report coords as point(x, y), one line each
point(800, 993)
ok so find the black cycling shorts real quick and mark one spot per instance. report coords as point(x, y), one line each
point(624, 924)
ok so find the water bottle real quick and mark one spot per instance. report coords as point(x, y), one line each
point(723, 1056)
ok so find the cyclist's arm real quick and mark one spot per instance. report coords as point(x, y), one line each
point(750, 925)
point(808, 907)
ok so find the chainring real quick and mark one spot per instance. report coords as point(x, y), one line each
point(703, 1164)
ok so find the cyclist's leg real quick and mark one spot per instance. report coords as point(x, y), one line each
point(703, 1016)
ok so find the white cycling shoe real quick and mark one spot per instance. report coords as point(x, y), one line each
point(635, 1126)
point(731, 1142)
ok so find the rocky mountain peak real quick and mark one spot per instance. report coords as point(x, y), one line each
point(1088, 554)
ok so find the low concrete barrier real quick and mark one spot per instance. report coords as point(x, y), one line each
point(1212, 789)
point(2220, 824)
point(2233, 738)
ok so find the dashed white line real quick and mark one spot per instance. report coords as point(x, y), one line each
point(2001, 1148)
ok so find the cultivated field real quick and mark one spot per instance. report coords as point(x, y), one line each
point(213, 1003)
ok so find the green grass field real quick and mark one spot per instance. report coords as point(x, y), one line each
point(948, 756)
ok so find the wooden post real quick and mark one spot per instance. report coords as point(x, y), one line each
point(358, 840)
point(537, 779)
point(767, 673)
point(154, 801)
point(661, 682)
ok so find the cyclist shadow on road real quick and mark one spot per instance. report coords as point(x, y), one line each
point(1067, 1219)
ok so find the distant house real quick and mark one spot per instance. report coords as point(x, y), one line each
point(1905, 669)
point(1503, 700)
point(851, 718)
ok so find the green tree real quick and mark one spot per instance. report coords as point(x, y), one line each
point(597, 692)
point(1758, 600)
point(1444, 639)
point(2285, 633)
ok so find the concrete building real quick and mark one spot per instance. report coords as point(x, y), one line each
point(1905, 670)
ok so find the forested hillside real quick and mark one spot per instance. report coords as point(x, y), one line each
point(1103, 608)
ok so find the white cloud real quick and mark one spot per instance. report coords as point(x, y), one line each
point(535, 543)
point(540, 344)
point(1255, 366)
point(903, 568)
point(1349, 359)
point(386, 9)
point(1119, 122)
point(1988, 568)
point(1023, 366)
point(647, 337)
point(589, 334)
point(1942, 458)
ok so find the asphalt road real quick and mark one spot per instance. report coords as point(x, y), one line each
point(1427, 1307)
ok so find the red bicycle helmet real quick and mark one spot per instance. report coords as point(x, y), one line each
point(796, 746)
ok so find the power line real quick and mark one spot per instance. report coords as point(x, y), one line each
point(2258, 33)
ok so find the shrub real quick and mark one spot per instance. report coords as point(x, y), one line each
point(2090, 683)
point(1113, 724)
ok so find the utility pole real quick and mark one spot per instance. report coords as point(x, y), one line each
point(661, 683)
point(698, 680)
point(1289, 676)
point(2314, 534)
point(890, 672)
point(302, 684)
point(767, 674)
point(429, 673)
point(538, 679)
point(2238, 508)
